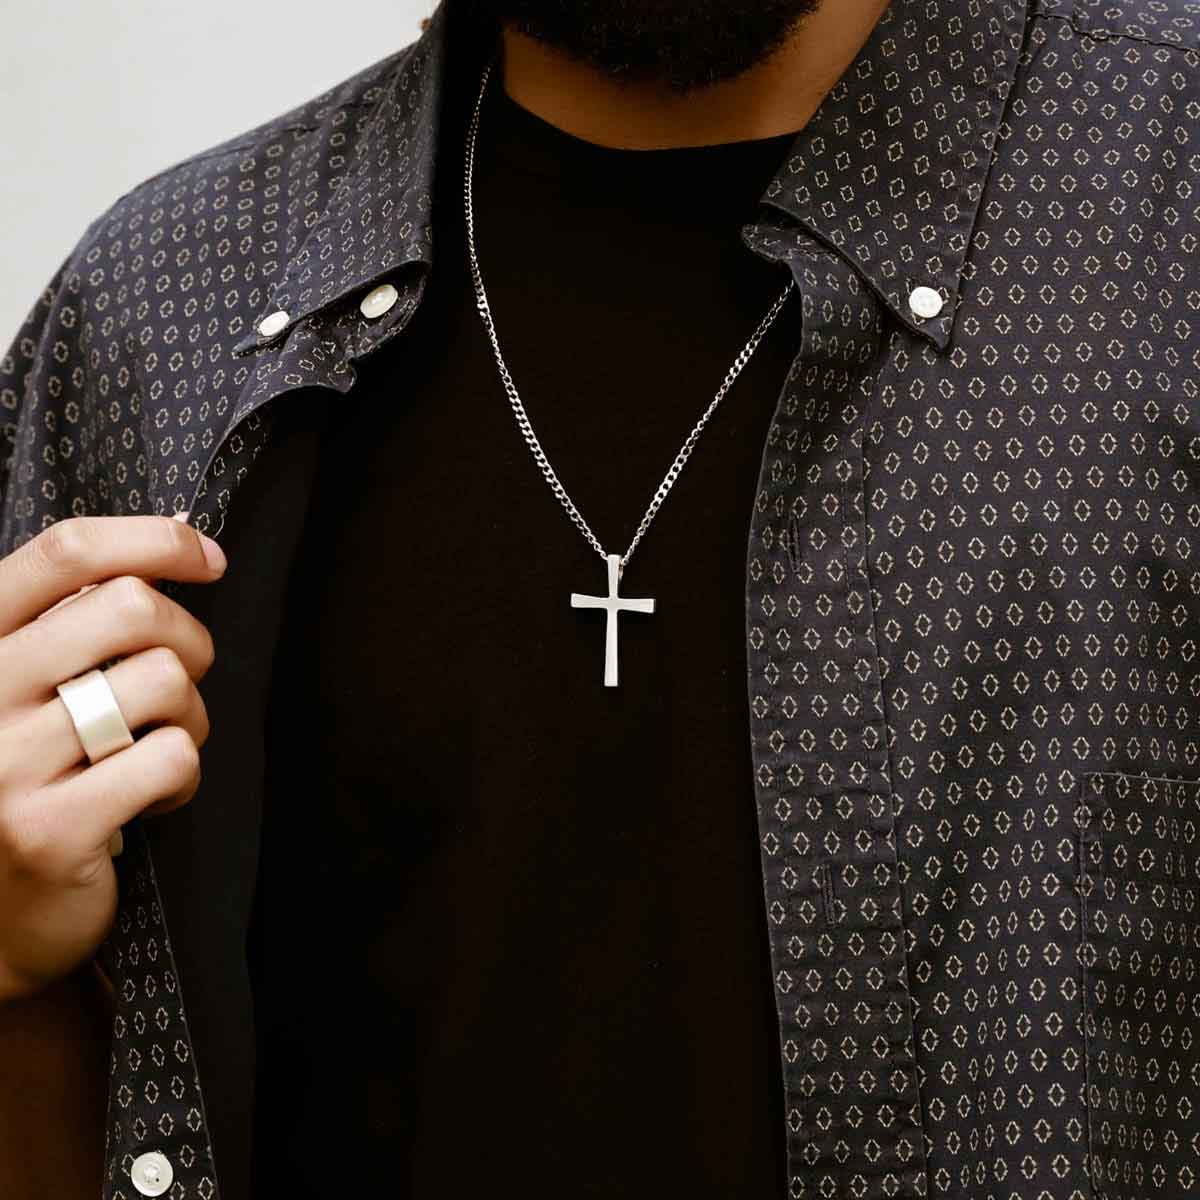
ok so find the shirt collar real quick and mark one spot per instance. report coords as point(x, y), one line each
point(888, 172)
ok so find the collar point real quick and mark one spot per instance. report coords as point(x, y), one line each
point(937, 334)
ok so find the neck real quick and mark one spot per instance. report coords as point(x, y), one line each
point(777, 95)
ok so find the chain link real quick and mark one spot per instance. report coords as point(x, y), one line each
point(523, 423)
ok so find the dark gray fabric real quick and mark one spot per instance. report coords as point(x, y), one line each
point(970, 589)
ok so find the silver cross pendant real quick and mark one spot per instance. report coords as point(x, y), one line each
point(612, 604)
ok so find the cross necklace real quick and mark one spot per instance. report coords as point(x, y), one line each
point(612, 603)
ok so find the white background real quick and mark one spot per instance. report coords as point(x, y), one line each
point(97, 95)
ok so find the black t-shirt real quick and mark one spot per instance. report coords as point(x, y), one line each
point(509, 928)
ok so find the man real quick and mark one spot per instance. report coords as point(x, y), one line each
point(470, 902)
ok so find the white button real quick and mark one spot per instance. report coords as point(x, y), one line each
point(925, 302)
point(378, 300)
point(151, 1173)
point(270, 325)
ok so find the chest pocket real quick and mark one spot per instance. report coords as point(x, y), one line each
point(1139, 883)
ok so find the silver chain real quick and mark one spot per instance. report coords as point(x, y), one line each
point(523, 423)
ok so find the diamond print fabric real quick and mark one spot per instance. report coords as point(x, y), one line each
point(971, 579)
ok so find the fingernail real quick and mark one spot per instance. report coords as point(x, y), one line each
point(213, 553)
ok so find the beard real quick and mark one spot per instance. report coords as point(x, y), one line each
point(684, 44)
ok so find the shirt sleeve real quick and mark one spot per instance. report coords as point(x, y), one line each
point(43, 392)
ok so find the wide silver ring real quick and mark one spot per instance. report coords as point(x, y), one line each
point(99, 723)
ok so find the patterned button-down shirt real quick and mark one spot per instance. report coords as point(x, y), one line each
point(972, 590)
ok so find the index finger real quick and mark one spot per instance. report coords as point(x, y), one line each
point(77, 551)
point(87, 587)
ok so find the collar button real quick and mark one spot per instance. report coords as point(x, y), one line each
point(272, 324)
point(378, 300)
point(925, 302)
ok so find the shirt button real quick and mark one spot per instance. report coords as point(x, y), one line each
point(151, 1173)
point(925, 302)
point(270, 325)
point(378, 300)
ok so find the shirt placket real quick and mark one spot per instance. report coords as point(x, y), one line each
point(832, 889)
point(157, 1138)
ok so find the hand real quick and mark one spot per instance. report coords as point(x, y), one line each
point(78, 594)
